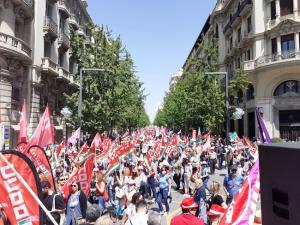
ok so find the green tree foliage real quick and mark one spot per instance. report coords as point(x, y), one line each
point(197, 100)
point(112, 98)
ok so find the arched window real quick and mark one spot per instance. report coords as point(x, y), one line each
point(240, 96)
point(250, 92)
point(288, 88)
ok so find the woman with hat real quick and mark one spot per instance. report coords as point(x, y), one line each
point(164, 180)
point(189, 208)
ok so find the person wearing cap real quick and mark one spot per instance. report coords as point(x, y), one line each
point(187, 217)
point(53, 202)
point(232, 184)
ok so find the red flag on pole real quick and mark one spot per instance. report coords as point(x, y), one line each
point(23, 135)
point(60, 147)
point(96, 143)
point(44, 133)
point(83, 175)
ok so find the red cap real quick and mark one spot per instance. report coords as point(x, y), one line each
point(216, 210)
point(188, 203)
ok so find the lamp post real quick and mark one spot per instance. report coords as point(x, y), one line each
point(66, 113)
point(226, 98)
point(80, 94)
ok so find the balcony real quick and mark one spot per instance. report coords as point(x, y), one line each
point(63, 40)
point(80, 31)
point(242, 10)
point(272, 60)
point(84, 3)
point(64, 74)
point(64, 7)
point(50, 27)
point(50, 67)
point(73, 82)
point(26, 5)
point(73, 21)
point(15, 47)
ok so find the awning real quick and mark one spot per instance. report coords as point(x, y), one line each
point(15, 127)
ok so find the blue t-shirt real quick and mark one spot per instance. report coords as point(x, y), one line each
point(233, 184)
point(163, 181)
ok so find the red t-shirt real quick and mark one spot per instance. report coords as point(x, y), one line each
point(186, 219)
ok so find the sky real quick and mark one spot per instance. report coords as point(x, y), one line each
point(159, 35)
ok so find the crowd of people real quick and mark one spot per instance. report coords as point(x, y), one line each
point(124, 196)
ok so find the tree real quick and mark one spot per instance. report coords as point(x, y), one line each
point(197, 100)
point(113, 98)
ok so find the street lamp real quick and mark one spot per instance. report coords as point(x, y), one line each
point(66, 113)
point(226, 98)
point(80, 94)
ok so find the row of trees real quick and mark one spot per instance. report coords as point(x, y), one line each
point(113, 98)
point(197, 100)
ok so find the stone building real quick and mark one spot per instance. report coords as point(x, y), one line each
point(262, 37)
point(36, 61)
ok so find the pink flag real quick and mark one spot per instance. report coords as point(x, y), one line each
point(23, 135)
point(44, 133)
point(242, 209)
point(73, 139)
point(96, 143)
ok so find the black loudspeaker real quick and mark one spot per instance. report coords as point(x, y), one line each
point(280, 183)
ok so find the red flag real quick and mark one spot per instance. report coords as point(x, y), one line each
point(18, 204)
point(247, 142)
point(60, 147)
point(44, 133)
point(83, 175)
point(41, 162)
point(96, 143)
point(23, 135)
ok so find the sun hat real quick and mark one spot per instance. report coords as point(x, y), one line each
point(188, 203)
point(216, 210)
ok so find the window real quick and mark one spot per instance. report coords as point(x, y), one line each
point(239, 34)
point(249, 24)
point(217, 31)
point(274, 46)
point(288, 88)
point(238, 63)
point(15, 93)
point(250, 92)
point(288, 46)
point(286, 7)
point(273, 10)
point(61, 59)
point(248, 54)
point(240, 96)
point(47, 49)
point(230, 43)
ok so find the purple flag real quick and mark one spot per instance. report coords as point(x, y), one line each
point(263, 132)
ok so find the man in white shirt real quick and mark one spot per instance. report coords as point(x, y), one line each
point(141, 216)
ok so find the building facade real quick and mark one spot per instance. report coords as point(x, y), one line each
point(262, 37)
point(36, 62)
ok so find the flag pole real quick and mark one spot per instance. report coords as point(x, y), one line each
point(29, 189)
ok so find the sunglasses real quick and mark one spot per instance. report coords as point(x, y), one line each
point(74, 185)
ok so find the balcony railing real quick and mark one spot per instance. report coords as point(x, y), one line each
point(28, 3)
point(73, 20)
point(50, 26)
point(64, 7)
point(271, 59)
point(63, 40)
point(240, 9)
point(49, 66)
point(10, 43)
point(64, 74)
